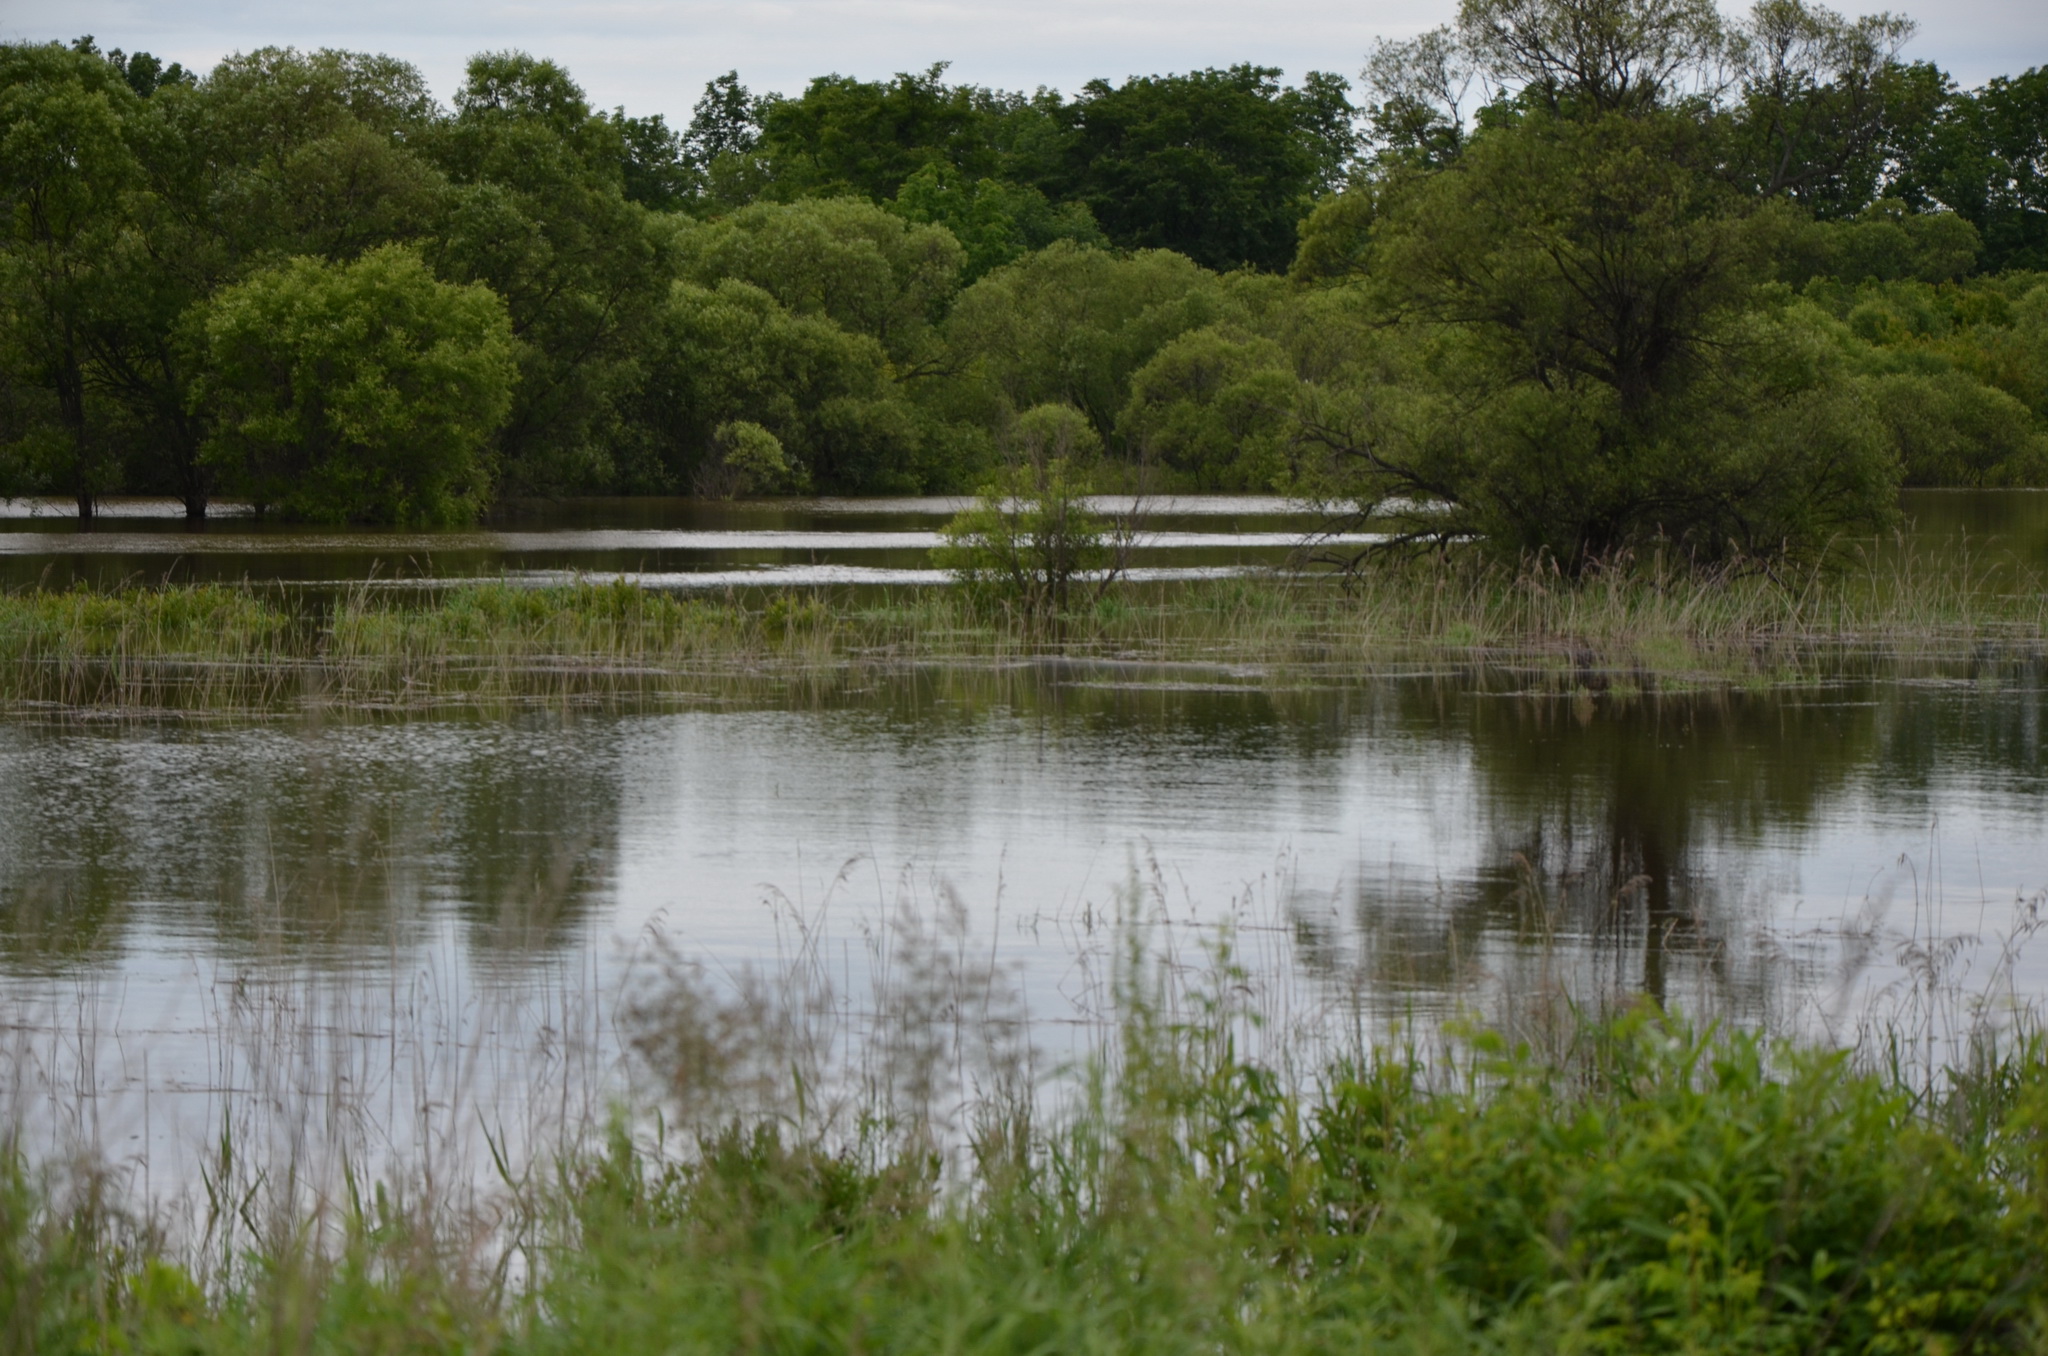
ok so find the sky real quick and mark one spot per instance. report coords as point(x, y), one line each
point(653, 56)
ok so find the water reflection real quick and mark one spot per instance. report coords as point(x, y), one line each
point(331, 842)
point(1460, 819)
point(422, 908)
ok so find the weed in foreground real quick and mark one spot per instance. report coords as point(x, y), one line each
point(811, 1174)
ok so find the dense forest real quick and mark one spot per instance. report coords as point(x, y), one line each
point(1564, 275)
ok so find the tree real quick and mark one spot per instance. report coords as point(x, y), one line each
point(1824, 107)
point(66, 169)
point(1593, 57)
point(358, 392)
point(1416, 91)
point(1069, 325)
point(1030, 536)
point(539, 215)
point(1218, 165)
point(868, 269)
point(1950, 430)
point(845, 136)
point(1213, 405)
point(655, 169)
point(1986, 159)
point(1582, 361)
point(731, 353)
point(725, 121)
point(995, 222)
point(275, 154)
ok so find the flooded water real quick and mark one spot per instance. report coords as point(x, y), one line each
point(667, 543)
point(433, 912)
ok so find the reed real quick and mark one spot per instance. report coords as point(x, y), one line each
point(1632, 623)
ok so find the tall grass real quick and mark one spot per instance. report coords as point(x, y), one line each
point(1631, 623)
point(805, 1168)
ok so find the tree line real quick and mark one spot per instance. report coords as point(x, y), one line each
point(1566, 275)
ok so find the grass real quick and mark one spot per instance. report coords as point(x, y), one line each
point(1632, 1182)
point(1630, 626)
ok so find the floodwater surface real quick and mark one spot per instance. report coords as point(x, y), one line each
point(406, 913)
point(668, 543)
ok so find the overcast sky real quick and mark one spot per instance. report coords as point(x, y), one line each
point(653, 56)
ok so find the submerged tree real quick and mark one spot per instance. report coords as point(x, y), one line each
point(1589, 365)
point(362, 392)
point(1031, 535)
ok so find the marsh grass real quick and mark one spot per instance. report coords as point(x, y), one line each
point(1629, 626)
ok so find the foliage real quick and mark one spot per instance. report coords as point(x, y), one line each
point(538, 213)
point(1070, 325)
point(362, 392)
point(937, 257)
point(867, 270)
point(750, 460)
point(1585, 362)
point(1885, 243)
point(1962, 368)
point(1030, 536)
point(995, 222)
point(844, 136)
point(1218, 165)
point(1656, 1187)
point(1983, 159)
point(733, 352)
point(1214, 404)
point(65, 169)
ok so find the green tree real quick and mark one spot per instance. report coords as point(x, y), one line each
point(1030, 536)
point(1885, 242)
point(656, 170)
point(1214, 406)
point(66, 171)
point(1588, 58)
point(866, 268)
point(1218, 165)
point(1951, 430)
point(731, 353)
point(1823, 107)
point(995, 222)
point(538, 213)
point(864, 138)
point(359, 392)
point(1986, 159)
point(1585, 363)
point(1069, 325)
point(274, 154)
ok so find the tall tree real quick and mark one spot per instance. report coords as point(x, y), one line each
point(540, 215)
point(863, 137)
point(1577, 359)
point(1986, 158)
point(1824, 108)
point(66, 169)
point(1219, 165)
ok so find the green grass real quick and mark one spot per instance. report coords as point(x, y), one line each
point(1657, 1188)
point(1638, 627)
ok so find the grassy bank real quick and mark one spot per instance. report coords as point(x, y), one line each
point(1630, 626)
point(1649, 1187)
